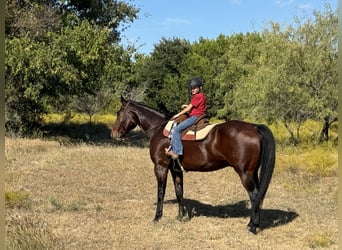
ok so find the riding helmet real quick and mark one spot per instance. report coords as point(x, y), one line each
point(195, 82)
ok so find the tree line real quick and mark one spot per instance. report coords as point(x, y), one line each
point(65, 56)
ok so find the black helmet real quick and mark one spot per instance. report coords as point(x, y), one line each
point(195, 82)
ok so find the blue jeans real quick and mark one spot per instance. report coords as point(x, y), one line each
point(176, 140)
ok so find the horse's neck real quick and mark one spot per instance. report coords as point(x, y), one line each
point(148, 118)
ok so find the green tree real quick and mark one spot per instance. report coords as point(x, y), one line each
point(238, 63)
point(46, 75)
point(28, 77)
point(165, 89)
point(56, 52)
point(35, 17)
point(31, 18)
point(113, 14)
point(296, 78)
point(320, 61)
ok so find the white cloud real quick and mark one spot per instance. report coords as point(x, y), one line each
point(284, 3)
point(177, 20)
point(292, 3)
point(304, 6)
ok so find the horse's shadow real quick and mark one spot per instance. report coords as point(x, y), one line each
point(269, 217)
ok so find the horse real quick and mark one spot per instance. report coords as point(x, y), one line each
point(248, 148)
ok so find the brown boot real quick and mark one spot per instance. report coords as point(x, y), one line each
point(171, 153)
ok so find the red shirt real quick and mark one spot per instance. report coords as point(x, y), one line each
point(199, 103)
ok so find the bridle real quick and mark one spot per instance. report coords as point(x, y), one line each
point(123, 112)
point(121, 116)
point(145, 131)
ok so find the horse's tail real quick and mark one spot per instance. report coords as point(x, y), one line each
point(267, 160)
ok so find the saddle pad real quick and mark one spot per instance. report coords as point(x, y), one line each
point(190, 135)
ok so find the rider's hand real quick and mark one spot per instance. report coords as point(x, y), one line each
point(174, 117)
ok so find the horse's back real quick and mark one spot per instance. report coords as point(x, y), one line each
point(236, 136)
point(236, 130)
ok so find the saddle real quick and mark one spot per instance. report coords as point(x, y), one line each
point(198, 131)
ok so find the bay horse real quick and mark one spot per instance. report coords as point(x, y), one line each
point(248, 148)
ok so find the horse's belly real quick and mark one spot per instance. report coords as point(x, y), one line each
point(204, 166)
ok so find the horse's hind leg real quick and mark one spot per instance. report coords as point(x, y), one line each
point(255, 217)
point(161, 175)
point(251, 183)
point(177, 176)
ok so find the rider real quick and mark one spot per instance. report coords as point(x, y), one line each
point(197, 107)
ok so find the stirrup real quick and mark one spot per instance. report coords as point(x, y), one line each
point(167, 149)
point(172, 154)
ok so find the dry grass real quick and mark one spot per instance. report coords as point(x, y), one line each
point(82, 196)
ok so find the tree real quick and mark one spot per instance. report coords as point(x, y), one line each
point(298, 72)
point(36, 17)
point(324, 136)
point(93, 103)
point(320, 60)
point(56, 50)
point(31, 18)
point(43, 75)
point(238, 64)
point(162, 75)
point(28, 76)
point(112, 14)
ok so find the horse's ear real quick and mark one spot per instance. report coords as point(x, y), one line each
point(123, 100)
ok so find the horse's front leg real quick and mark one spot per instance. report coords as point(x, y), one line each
point(177, 176)
point(161, 175)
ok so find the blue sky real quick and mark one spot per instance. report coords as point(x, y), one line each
point(192, 19)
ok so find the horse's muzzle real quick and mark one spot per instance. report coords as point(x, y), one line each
point(117, 136)
point(114, 134)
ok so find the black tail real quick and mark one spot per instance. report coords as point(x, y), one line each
point(267, 160)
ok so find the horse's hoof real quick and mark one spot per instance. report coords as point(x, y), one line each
point(253, 229)
point(183, 218)
point(180, 218)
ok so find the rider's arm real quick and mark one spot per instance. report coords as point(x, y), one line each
point(184, 111)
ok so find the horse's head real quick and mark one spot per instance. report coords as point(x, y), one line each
point(126, 120)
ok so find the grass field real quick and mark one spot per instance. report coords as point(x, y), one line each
point(63, 193)
point(103, 196)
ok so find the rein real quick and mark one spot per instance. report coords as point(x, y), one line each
point(145, 131)
point(158, 126)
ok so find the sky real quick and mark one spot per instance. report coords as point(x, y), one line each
point(193, 19)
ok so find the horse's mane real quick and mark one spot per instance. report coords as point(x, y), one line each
point(165, 116)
